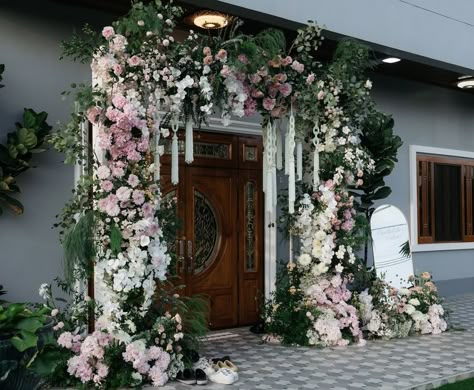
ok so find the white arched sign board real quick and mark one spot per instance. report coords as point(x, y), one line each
point(389, 234)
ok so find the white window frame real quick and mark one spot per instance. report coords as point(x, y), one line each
point(416, 247)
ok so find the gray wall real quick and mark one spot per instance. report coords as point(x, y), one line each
point(437, 29)
point(429, 116)
point(30, 34)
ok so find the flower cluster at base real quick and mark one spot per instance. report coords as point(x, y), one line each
point(153, 364)
point(152, 355)
point(390, 313)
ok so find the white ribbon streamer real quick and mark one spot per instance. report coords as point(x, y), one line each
point(287, 158)
point(299, 161)
point(174, 153)
point(291, 165)
point(279, 149)
point(189, 148)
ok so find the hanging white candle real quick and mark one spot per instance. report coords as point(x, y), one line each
point(291, 165)
point(316, 157)
point(156, 135)
point(299, 161)
point(279, 149)
point(270, 154)
point(287, 158)
point(264, 161)
point(189, 148)
point(174, 154)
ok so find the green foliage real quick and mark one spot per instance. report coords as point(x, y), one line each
point(81, 46)
point(15, 156)
point(79, 249)
point(405, 250)
point(285, 314)
point(115, 239)
point(21, 324)
point(378, 138)
point(69, 139)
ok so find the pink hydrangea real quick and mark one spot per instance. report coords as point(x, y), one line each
point(138, 197)
point(106, 185)
point(109, 205)
point(133, 180)
point(103, 172)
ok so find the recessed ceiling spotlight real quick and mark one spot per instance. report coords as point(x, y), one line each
point(466, 82)
point(210, 20)
point(391, 60)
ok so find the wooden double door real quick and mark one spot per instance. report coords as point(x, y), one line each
point(220, 244)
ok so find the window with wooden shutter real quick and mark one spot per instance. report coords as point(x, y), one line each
point(445, 197)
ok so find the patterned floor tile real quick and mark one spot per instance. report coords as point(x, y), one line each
point(421, 362)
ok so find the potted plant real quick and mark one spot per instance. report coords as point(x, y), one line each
point(23, 329)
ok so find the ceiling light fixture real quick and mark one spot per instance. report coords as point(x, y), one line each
point(391, 60)
point(210, 20)
point(465, 82)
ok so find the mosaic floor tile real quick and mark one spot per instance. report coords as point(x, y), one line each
point(421, 362)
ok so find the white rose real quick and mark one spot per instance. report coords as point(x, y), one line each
point(404, 291)
point(409, 309)
point(414, 302)
point(304, 259)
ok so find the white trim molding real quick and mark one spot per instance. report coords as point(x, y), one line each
point(416, 247)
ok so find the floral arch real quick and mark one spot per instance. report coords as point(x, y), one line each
point(145, 84)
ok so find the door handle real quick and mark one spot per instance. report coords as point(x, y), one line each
point(180, 256)
point(190, 257)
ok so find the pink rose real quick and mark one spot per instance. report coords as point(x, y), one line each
point(255, 78)
point(280, 77)
point(321, 95)
point(134, 61)
point(286, 61)
point(269, 104)
point(221, 55)
point(278, 112)
point(92, 114)
point(108, 32)
point(208, 60)
point(206, 51)
point(310, 79)
point(256, 94)
point(118, 69)
point(225, 72)
point(243, 58)
point(426, 275)
point(285, 89)
point(273, 89)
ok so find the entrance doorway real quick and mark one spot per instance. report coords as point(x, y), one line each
point(220, 245)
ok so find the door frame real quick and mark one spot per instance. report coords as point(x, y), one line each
point(237, 127)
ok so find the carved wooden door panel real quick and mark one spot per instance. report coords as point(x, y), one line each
point(220, 245)
point(211, 218)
